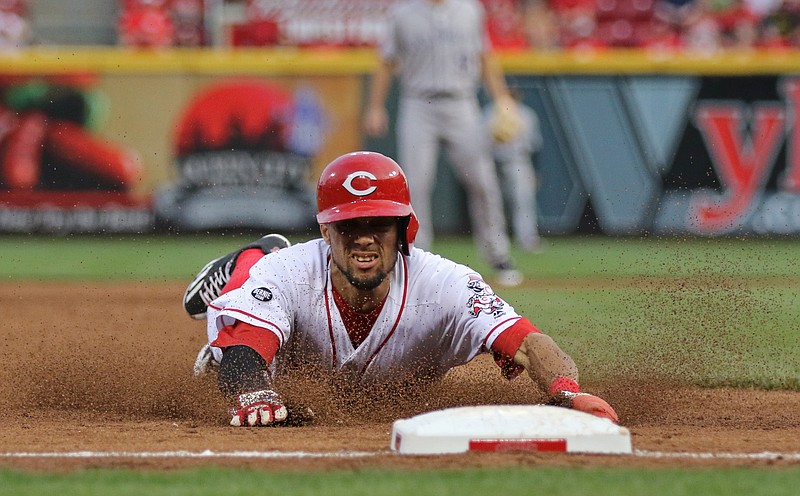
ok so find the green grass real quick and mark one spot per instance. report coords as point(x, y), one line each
point(93, 258)
point(581, 257)
point(550, 481)
point(178, 256)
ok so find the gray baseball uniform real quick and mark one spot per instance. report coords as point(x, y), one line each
point(514, 161)
point(437, 47)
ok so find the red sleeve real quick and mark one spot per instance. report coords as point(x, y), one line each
point(506, 345)
point(241, 271)
point(263, 341)
point(510, 340)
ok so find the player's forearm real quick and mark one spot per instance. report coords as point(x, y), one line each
point(379, 88)
point(556, 373)
point(241, 370)
point(494, 78)
point(243, 378)
point(545, 361)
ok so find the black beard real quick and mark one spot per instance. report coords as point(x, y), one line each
point(363, 285)
point(367, 285)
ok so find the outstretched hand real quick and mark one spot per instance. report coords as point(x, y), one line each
point(590, 403)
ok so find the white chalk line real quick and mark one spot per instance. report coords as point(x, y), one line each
point(192, 454)
point(766, 455)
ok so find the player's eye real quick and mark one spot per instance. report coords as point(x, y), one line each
point(383, 224)
point(345, 227)
point(371, 225)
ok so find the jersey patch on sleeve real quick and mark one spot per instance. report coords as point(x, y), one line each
point(483, 299)
point(261, 294)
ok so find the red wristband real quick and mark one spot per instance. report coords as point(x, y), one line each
point(564, 384)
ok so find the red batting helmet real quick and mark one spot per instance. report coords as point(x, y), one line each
point(366, 184)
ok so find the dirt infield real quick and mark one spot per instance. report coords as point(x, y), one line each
point(107, 368)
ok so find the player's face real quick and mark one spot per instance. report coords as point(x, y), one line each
point(364, 250)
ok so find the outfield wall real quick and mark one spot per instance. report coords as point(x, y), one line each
point(634, 142)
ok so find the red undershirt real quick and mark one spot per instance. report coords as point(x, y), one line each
point(358, 324)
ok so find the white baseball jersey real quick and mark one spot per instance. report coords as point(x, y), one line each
point(438, 315)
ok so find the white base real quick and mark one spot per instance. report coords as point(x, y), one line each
point(508, 428)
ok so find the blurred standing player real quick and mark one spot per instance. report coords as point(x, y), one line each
point(361, 306)
point(514, 158)
point(441, 51)
point(15, 29)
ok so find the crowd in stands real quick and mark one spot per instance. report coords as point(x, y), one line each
point(162, 23)
point(698, 25)
point(140, 23)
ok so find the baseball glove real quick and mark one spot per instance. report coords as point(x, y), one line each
point(506, 122)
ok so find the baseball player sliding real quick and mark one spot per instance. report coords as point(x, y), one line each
point(361, 305)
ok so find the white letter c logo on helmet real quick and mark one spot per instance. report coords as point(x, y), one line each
point(348, 183)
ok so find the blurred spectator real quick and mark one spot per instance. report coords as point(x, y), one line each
point(261, 25)
point(781, 28)
point(541, 25)
point(738, 26)
point(701, 35)
point(624, 23)
point(762, 8)
point(505, 24)
point(145, 23)
point(15, 30)
point(188, 17)
point(677, 14)
point(663, 37)
point(700, 28)
point(578, 22)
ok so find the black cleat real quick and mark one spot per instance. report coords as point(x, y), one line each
point(208, 283)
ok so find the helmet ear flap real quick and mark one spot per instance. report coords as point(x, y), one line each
point(402, 230)
point(407, 227)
